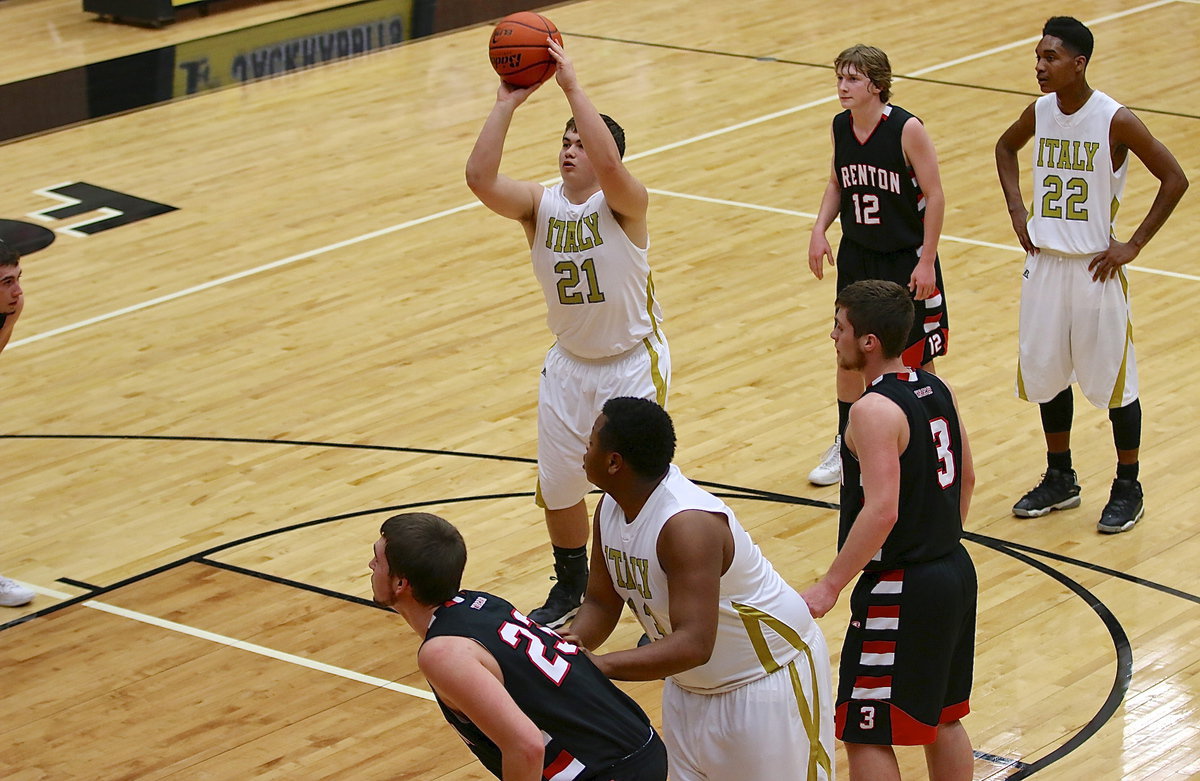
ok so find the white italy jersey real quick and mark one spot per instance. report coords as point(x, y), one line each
point(599, 292)
point(762, 622)
point(1075, 191)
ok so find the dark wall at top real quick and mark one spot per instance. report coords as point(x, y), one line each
point(436, 16)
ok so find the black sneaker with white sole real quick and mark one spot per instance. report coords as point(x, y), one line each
point(1059, 490)
point(1124, 508)
point(561, 606)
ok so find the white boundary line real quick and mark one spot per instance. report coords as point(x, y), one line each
point(945, 237)
point(242, 645)
point(657, 150)
point(243, 274)
point(809, 215)
point(1035, 39)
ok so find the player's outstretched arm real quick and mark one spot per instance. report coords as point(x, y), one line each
point(626, 196)
point(458, 670)
point(1130, 132)
point(1017, 136)
point(510, 198)
point(918, 148)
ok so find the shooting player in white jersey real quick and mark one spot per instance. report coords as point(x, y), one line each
point(589, 243)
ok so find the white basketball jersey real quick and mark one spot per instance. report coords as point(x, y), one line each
point(762, 622)
point(599, 292)
point(1075, 191)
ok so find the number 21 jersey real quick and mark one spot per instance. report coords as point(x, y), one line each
point(597, 284)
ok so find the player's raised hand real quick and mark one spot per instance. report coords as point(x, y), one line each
point(564, 74)
point(507, 93)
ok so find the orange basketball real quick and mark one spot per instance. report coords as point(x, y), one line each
point(518, 48)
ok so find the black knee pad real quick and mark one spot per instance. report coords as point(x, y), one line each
point(1127, 425)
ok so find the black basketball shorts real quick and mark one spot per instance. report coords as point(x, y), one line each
point(908, 658)
point(930, 334)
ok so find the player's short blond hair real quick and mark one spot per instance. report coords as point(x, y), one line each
point(870, 62)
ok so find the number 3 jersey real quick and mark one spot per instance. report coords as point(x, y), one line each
point(882, 207)
point(599, 292)
point(587, 722)
point(1075, 190)
point(762, 623)
point(929, 523)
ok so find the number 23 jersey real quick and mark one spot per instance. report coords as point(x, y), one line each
point(586, 721)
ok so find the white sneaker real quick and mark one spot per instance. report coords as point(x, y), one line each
point(13, 594)
point(829, 471)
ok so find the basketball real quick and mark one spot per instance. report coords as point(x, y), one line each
point(518, 48)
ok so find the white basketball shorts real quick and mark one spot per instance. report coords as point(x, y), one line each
point(778, 728)
point(570, 395)
point(1075, 329)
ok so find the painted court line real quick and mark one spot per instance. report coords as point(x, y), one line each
point(242, 645)
point(1032, 41)
point(637, 156)
point(809, 215)
point(243, 274)
point(945, 237)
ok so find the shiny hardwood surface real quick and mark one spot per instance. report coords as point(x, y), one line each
point(328, 278)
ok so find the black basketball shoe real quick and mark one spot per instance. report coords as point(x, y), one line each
point(1124, 508)
point(561, 605)
point(1059, 490)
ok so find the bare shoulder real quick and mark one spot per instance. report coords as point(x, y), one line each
point(1023, 127)
point(874, 406)
point(691, 537)
point(1127, 126)
point(440, 655)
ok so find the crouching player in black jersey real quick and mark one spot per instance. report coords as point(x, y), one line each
point(530, 705)
point(907, 479)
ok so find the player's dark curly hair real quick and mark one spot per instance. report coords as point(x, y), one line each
point(880, 307)
point(429, 551)
point(1072, 32)
point(618, 132)
point(642, 432)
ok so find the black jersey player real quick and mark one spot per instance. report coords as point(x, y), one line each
point(527, 703)
point(885, 188)
point(907, 661)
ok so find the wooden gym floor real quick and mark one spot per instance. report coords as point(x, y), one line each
point(209, 412)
